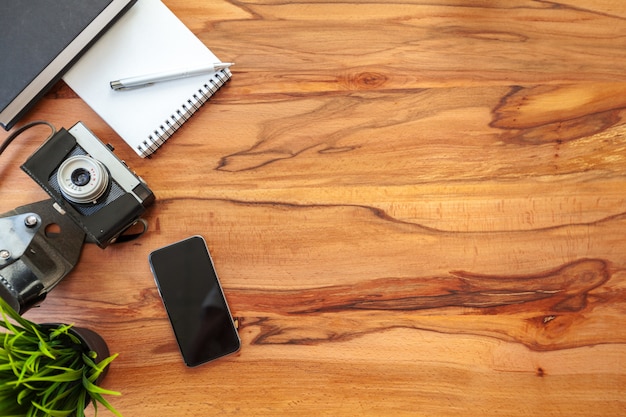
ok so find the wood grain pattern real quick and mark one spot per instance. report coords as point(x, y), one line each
point(415, 208)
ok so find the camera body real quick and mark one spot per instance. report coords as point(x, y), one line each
point(89, 183)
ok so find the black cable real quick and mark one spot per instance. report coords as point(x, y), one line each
point(22, 129)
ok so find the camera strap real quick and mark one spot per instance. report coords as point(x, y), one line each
point(127, 236)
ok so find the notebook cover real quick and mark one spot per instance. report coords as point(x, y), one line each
point(39, 40)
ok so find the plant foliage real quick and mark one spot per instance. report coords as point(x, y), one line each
point(45, 371)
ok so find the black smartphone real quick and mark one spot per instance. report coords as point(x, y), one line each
point(194, 301)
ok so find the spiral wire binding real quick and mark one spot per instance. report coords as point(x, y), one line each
point(183, 113)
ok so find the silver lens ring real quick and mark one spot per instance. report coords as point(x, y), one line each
point(82, 179)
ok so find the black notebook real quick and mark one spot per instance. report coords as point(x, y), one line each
point(39, 40)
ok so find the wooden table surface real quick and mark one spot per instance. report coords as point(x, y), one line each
point(415, 208)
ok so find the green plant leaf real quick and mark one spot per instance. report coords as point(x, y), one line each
point(7, 310)
point(8, 405)
point(107, 361)
point(64, 330)
point(52, 412)
point(96, 369)
point(81, 403)
point(94, 389)
point(44, 372)
point(23, 394)
point(63, 395)
point(72, 375)
point(100, 399)
point(44, 346)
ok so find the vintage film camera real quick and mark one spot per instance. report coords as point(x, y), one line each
point(95, 198)
point(89, 183)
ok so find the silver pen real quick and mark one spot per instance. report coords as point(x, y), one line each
point(149, 79)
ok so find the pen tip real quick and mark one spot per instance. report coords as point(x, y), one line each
point(116, 85)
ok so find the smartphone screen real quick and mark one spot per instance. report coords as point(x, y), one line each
point(194, 301)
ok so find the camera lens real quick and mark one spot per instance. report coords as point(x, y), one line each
point(82, 179)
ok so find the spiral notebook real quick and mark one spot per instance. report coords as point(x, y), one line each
point(148, 39)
